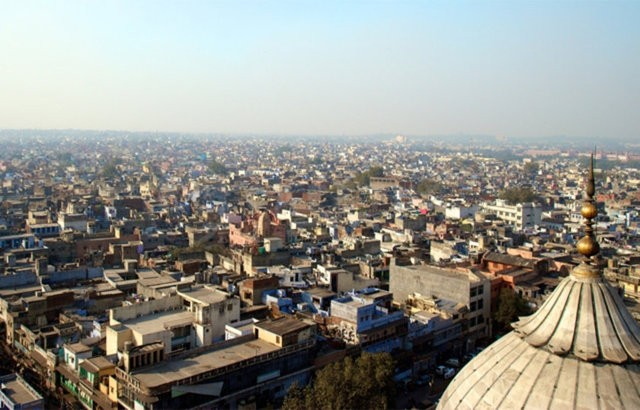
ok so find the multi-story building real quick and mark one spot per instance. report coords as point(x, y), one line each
point(263, 363)
point(520, 216)
point(460, 285)
point(366, 317)
point(76, 222)
point(194, 317)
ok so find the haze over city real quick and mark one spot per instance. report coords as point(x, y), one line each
point(319, 205)
point(517, 69)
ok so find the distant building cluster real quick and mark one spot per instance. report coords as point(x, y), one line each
point(155, 273)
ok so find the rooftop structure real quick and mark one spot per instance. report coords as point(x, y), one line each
point(17, 394)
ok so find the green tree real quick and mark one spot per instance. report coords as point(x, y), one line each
point(364, 178)
point(217, 168)
point(283, 149)
point(510, 307)
point(531, 168)
point(65, 158)
point(364, 383)
point(110, 170)
point(296, 398)
point(518, 195)
point(429, 187)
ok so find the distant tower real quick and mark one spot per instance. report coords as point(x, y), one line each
point(401, 139)
point(581, 349)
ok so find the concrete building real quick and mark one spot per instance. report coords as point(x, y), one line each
point(365, 317)
point(520, 216)
point(194, 317)
point(459, 285)
point(221, 376)
point(213, 310)
point(76, 222)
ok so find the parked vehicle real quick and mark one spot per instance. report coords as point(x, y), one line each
point(440, 370)
point(453, 363)
point(449, 373)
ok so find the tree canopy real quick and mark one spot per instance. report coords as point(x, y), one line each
point(364, 383)
point(518, 195)
point(217, 168)
point(531, 168)
point(110, 169)
point(364, 178)
point(510, 307)
point(429, 187)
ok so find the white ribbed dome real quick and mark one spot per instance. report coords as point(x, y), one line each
point(585, 318)
point(512, 374)
point(566, 355)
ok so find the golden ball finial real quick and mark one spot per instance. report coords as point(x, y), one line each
point(588, 246)
point(589, 210)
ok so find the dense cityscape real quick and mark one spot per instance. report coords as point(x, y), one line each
point(331, 205)
point(156, 270)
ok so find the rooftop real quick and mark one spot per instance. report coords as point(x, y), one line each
point(78, 347)
point(16, 389)
point(204, 295)
point(160, 321)
point(282, 326)
point(174, 370)
point(95, 364)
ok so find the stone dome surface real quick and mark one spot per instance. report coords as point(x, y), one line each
point(579, 350)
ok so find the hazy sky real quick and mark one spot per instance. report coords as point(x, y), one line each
point(508, 68)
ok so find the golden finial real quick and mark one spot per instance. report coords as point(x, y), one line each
point(588, 246)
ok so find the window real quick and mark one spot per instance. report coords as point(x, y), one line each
point(480, 304)
point(472, 307)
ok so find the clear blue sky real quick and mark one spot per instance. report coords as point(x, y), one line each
point(511, 68)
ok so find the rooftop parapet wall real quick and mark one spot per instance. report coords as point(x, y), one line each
point(124, 313)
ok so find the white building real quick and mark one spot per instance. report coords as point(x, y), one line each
point(77, 222)
point(520, 216)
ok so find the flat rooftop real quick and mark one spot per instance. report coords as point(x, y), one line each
point(175, 370)
point(160, 321)
point(282, 326)
point(20, 290)
point(204, 295)
point(453, 273)
point(19, 391)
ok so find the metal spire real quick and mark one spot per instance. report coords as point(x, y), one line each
point(588, 246)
